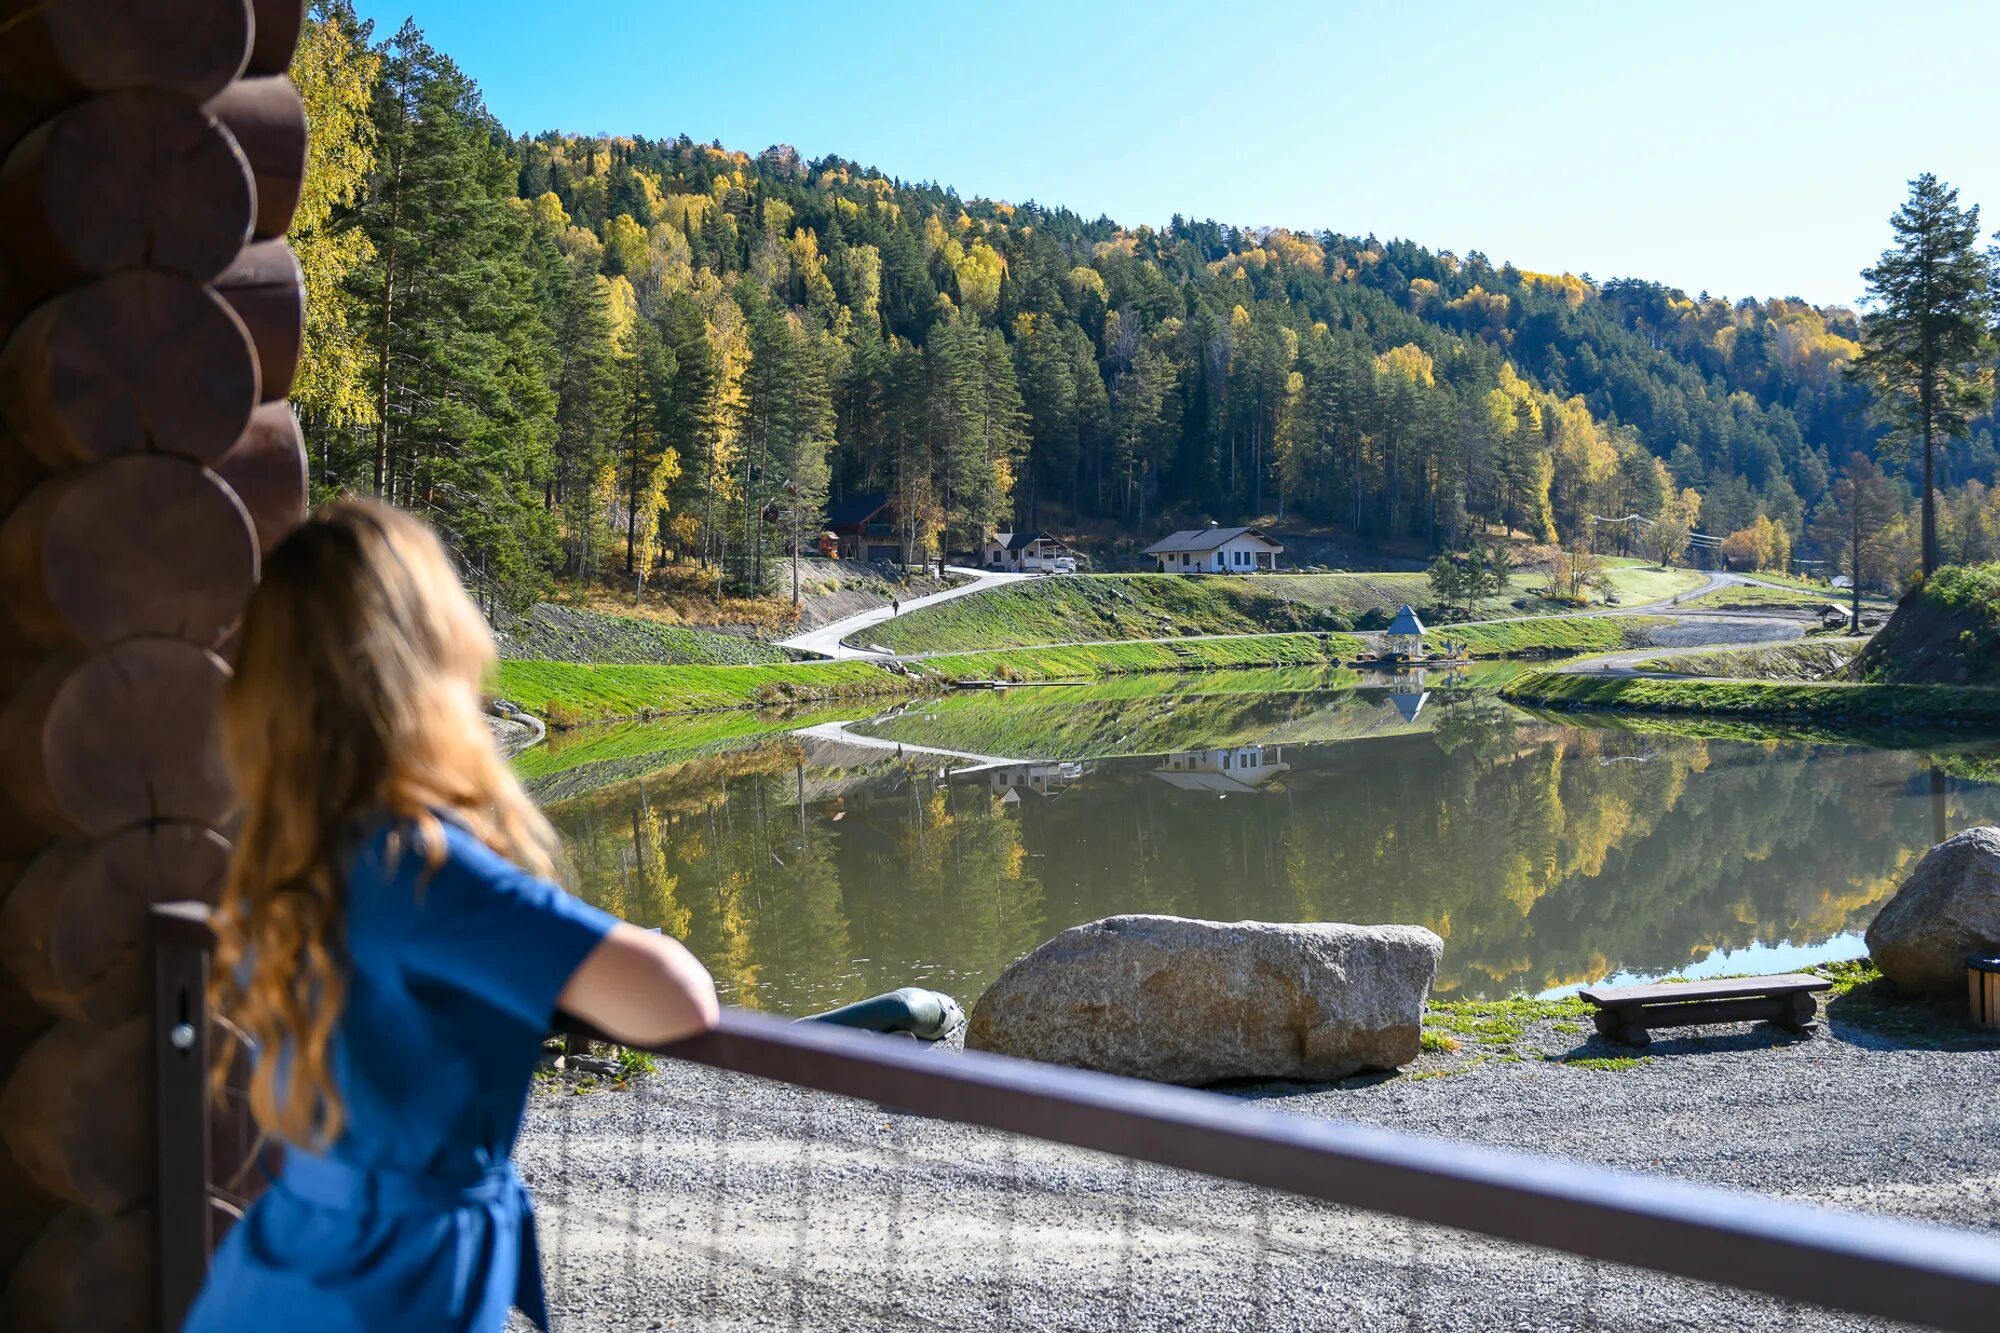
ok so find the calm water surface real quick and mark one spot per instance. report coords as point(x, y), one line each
point(810, 861)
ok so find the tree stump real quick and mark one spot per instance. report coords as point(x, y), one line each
point(274, 34)
point(267, 470)
point(80, 556)
point(132, 362)
point(58, 226)
point(29, 1208)
point(54, 54)
point(101, 742)
point(267, 291)
point(71, 1117)
point(268, 122)
point(74, 931)
point(87, 1272)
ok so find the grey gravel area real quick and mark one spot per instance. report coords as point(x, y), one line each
point(698, 1200)
point(1687, 631)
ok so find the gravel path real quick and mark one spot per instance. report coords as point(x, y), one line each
point(825, 641)
point(698, 1200)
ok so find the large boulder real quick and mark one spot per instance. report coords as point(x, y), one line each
point(1946, 911)
point(1179, 1001)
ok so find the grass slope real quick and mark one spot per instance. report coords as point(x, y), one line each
point(1571, 634)
point(1757, 698)
point(1750, 596)
point(1807, 659)
point(551, 632)
point(669, 739)
point(1122, 607)
point(1946, 632)
point(570, 694)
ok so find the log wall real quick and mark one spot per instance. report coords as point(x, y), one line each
point(151, 156)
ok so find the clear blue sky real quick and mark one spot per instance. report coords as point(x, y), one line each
point(1743, 148)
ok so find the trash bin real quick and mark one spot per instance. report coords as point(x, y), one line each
point(1982, 976)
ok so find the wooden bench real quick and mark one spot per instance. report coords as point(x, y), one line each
point(1624, 1013)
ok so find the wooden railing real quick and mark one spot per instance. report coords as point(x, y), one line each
point(1934, 1276)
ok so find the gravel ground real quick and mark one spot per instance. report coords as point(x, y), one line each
point(699, 1200)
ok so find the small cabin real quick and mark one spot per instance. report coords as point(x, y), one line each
point(1215, 550)
point(864, 527)
point(1405, 636)
point(1026, 552)
point(1225, 772)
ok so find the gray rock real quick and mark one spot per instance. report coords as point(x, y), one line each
point(1179, 1001)
point(1947, 910)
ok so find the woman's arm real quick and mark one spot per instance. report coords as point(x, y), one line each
point(641, 988)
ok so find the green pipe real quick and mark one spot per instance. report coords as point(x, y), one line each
point(925, 1014)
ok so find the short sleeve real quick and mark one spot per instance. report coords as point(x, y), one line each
point(485, 926)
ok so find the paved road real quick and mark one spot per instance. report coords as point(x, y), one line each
point(839, 733)
point(826, 640)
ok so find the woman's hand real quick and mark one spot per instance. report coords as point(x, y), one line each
point(641, 989)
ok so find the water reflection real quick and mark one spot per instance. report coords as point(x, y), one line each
point(812, 869)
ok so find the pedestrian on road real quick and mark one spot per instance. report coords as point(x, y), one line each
point(895, 607)
point(392, 945)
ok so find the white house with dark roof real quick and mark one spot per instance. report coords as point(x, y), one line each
point(1215, 550)
point(1224, 772)
point(1025, 552)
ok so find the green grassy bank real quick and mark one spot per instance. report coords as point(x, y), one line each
point(1916, 704)
point(571, 694)
point(1571, 634)
point(1946, 632)
point(1799, 660)
point(553, 632)
point(1102, 607)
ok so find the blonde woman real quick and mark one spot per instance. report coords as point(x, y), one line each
point(391, 943)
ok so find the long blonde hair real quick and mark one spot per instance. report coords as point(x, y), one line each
point(356, 696)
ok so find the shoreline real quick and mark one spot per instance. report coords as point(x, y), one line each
point(1824, 701)
point(575, 694)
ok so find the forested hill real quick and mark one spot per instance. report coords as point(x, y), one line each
point(592, 355)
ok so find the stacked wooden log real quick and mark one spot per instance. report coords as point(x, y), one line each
point(151, 155)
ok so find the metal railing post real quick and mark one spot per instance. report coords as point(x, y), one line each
point(181, 1104)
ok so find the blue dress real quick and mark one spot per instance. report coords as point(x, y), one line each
point(415, 1218)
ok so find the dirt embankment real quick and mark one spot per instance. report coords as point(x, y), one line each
point(1806, 659)
point(550, 632)
point(832, 590)
point(1945, 633)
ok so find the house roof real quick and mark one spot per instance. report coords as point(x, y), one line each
point(855, 509)
point(1206, 539)
point(1406, 621)
point(1021, 541)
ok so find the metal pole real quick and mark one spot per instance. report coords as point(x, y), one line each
point(181, 1059)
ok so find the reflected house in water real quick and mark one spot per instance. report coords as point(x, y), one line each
point(1242, 769)
point(1049, 780)
point(1407, 692)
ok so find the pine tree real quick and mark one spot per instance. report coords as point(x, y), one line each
point(1851, 524)
point(1925, 342)
point(335, 72)
point(645, 381)
point(463, 371)
point(577, 311)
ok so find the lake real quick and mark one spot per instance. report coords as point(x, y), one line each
point(817, 858)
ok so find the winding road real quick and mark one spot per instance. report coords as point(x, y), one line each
point(826, 640)
point(1742, 626)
